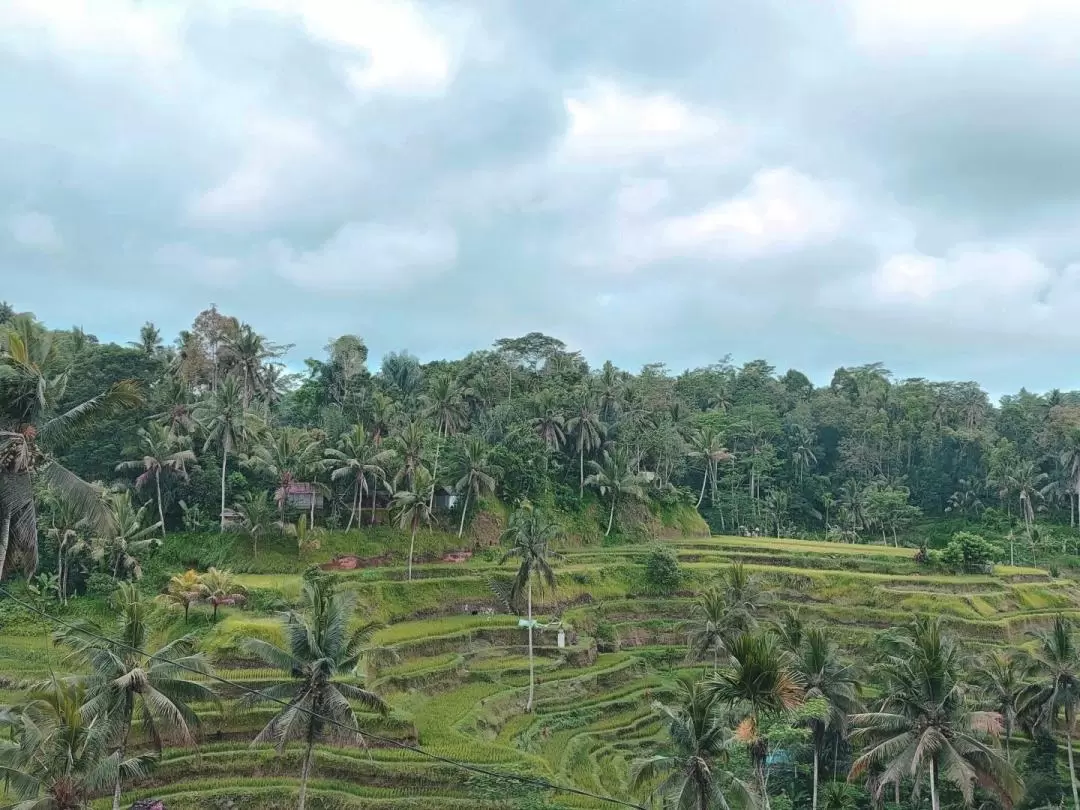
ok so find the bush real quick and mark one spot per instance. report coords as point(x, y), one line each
point(970, 552)
point(100, 584)
point(662, 574)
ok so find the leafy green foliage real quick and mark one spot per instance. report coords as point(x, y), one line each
point(662, 574)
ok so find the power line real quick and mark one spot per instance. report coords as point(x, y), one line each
point(523, 780)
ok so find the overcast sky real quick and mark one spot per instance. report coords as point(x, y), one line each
point(816, 183)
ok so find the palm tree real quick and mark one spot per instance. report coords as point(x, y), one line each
point(475, 473)
point(221, 588)
point(257, 515)
point(128, 681)
point(58, 757)
point(125, 536)
point(614, 477)
point(761, 680)
point(743, 597)
point(247, 351)
point(289, 455)
point(803, 450)
point(408, 446)
point(1027, 481)
point(1070, 464)
point(162, 451)
point(227, 424)
point(588, 432)
point(33, 378)
point(1004, 681)
point(357, 457)
point(1056, 664)
point(708, 627)
point(924, 727)
point(319, 654)
point(149, 342)
point(183, 590)
point(411, 506)
point(826, 677)
point(707, 444)
point(69, 526)
point(445, 404)
point(698, 742)
point(530, 534)
point(548, 423)
point(383, 411)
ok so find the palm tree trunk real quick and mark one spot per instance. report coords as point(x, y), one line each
point(935, 802)
point(435, 470)
point(581, 470)
point(611, 516)
point(352, 512)
point(412, 543)
point(311, 519)
point(224, 461)
point(160, 508)
point(817, 757)
point(762, 784)
point(532, 672)
point(1072, 767)
point(374, 487)
point(464, 511)
point(305, 772)
point(704, 481)
point(5, 537)
point(117, 789)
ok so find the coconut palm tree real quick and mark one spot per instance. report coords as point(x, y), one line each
point(475, 473)
point(549, 424)
point(383, 412)
point(614, 477)
point(445, 404)
point(289, 455)
point(149, 342)
point(257, 515)
point(221, 588)
point(699, 745)
point(924, 728)
point(1070, 465)
point(824, 675)
point(1056, 668)
point(183, 590)
point(68, 527)
point(761, 681)
point(128, 680)
point(125, 536)
point(161, 451)
point(743, 596)
point(707, 445)
point(228, 425)
point(246, 352)
point(530, 534)
point(410, 506)
point(358, 458)
point(1005, 683)
point(708, 628)
point(33, 377)
point(321, 653)
point(588, 432)
point(58, 757)
point(408, 447)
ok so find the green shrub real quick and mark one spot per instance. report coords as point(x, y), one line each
point(662, 573)
point(100, 584)
point(970, 552)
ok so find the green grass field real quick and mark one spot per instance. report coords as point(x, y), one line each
point(456, 676)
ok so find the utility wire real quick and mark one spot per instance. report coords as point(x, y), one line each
point(522, 780)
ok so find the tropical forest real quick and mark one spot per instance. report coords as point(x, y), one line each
point(524, 578)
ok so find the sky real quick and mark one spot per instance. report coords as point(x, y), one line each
point(814, 183)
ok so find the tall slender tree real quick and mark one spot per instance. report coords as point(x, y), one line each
point(228, 426)
point(162, 451)
point(1056, 664)
point(614, 477)
point(411, 509)
point(359, 459)
point(588, 431)
point(476, 475)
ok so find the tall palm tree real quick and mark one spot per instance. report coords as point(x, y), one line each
point(321, 653)
point(761, 681)
point(126, 534)
point(408, 446)
point(1056, 665)
point(826, 676)
point(358, 458)
point(803, 450)
point(149, 342)
point(69, 527)
point(743, 597)
point(162, 451)
point(549, 424)
point(58, 757)
point(33, 377)
point(707, 445)
point(614, 477)
point(445, 404)
point(530, 534)
point(1070, 465)
point(247, 351)
point(924, 728)
point(128, 679)
point(1004, 681)
point(411, 507)
point(699, 744)
point(1027, 482)
point(475, 473)
point(228, 425)
point(289, 455)
point(383, 411)
point(257, 515)
point(588, 432)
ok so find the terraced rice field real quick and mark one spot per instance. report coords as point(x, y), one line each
point(457, 676)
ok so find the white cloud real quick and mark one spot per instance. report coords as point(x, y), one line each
point(370, 257)
point(35, 231)
point(608, 123)
point(186, 261)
